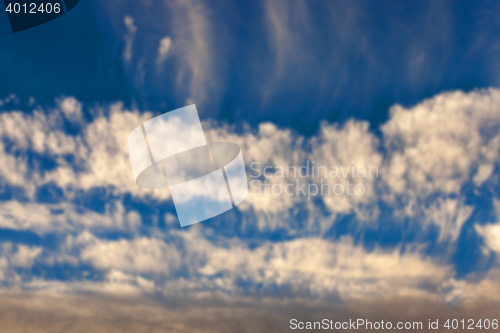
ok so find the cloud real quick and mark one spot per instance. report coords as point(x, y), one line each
point(491, 232)
point(163, 50)
point(14, 256)
point(71, 108)
point(423, 159)
point(142, 255)
point(303, 261)
point(129, 38)
point(99, 154)
point(189, 265)
point(441, 142)
point(315, 267)
point(437, 147)
point(61, 218)
point(120, 311)
point(349, 146)
point(432, 151)
point(449, 215)
point(109, 314)
point(288, 29)
point(192, 31)
point(289, 25)
point(20, 255)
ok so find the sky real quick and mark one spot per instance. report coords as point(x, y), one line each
point(410, 88)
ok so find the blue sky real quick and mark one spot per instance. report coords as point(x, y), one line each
point(412, 88)
point(291, 64)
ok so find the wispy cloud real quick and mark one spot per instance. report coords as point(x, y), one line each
point(163, 52)
point(129, 38)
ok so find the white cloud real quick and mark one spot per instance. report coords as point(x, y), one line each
point(38, 131)
point(141, 255)
point(170, 219)
point(483, 173)
point(129, 38)
point(431, 151)
point(13, 256)
point(491, 235)
point(473, 292)
point(437, 145)
point(434, 149)
point(13, 169)
point(163, 51)
point(349, 146)
point(314, 267)
point(71, 108)
point(59, 218)
point(100, 152)
point(25, 256)
point(307, 268)
point(449, 215)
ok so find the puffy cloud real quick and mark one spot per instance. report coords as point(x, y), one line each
point(71, 108)
point(437, 147)
point(354, 149)
point(107, 162)
point(99, 154)
point(43, 133)
point(20, 255)
point(142, 255)
point(439, 144)
point(308, 269)
point(310, 266)
point(491, 234)
point(60, 218)
point(431, 151)
point(412, 183)
point(269, 146)
point(14, 256)
point(345, 148)
point(190, 265)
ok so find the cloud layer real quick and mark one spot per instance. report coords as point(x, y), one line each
point(77, 186)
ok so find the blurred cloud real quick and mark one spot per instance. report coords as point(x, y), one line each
point(82, 248)
point(436, 148)
point(141, 255)
point(59, 218)
point(432, 150)
point(72, 109)
point(76, 313)
point(20, 255)
point(129, 38)
point(304, 261)
point(314, 267)
point(163, 50)
point(491, 232)
point(192, 32)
